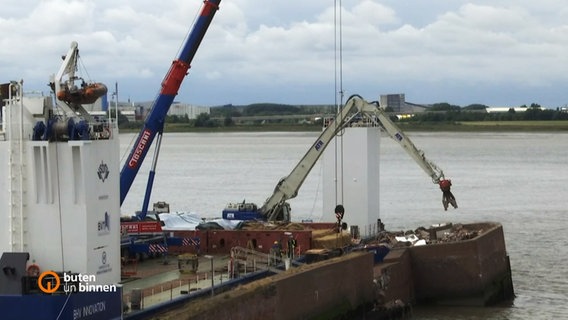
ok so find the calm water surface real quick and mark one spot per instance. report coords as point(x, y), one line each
point(517, 179)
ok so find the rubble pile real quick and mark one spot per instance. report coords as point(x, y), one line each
point(458, 233)
point(443, 233)
point(262, 225)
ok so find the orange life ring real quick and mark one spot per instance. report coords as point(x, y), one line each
point(33, 270)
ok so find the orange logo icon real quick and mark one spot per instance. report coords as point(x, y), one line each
point(48, 287)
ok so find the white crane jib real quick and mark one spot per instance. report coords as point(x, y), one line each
point(68, 68)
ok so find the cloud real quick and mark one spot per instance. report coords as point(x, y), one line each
point(290, 53)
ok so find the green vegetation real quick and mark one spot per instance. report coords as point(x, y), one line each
point(475, 118)
point(267, 109)
point(438, 117)
point(486, 126)
point(443, 113)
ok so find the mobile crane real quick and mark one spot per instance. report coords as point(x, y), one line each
point(147, 236)
point(154, 123)
point(275, 208)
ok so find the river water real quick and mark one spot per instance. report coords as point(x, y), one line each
point(516, 179)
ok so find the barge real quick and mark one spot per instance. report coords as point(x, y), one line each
point(472, 269)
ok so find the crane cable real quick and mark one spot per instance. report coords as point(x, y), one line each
point(338, 70)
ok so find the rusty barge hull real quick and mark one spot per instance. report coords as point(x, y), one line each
point(470, 272)
point(473, 272)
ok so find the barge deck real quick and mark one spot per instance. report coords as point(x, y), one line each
point(472, 271)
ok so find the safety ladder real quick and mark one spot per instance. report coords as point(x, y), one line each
point(17, 168)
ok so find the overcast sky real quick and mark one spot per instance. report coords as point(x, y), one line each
point(498, 53)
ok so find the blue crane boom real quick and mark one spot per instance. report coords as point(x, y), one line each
point(154, 123)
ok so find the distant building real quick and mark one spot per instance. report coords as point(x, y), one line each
point(398, 104)
point(394, 101)
point(127, 109)
point(138, 111)
point(176, 109)
point(129, 114)
point(182, 109)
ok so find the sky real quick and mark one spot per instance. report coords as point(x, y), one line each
point(495, 52)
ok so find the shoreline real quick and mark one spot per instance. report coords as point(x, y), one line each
point(477, 126)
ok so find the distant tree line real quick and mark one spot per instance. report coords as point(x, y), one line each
point(266, 109)
point(438, 112)
point(202, 120)
point(444, 112)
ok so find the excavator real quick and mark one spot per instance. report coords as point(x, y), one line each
point(276, 207)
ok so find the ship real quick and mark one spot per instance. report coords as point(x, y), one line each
point(60, 245)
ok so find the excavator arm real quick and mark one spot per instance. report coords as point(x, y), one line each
point(276, 208)
point(372, 111)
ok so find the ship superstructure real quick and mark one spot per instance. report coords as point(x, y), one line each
point(60, 205)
